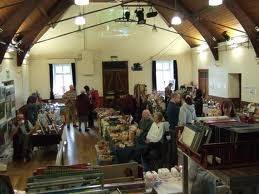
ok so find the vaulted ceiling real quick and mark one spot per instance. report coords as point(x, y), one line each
point(32, 18)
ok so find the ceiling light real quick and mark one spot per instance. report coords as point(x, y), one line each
point(215, 2)
point(80, 20)
point(154, 29)
point(82, 2)
point(140, 15)
point(151, 13)
point(127, 15)
point(176, 20)
point(225, 36)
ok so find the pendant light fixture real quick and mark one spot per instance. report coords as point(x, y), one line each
point(80, 20)
point(82, 2)
point(176, 19)
point(215, 2)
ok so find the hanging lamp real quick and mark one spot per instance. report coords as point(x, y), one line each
point(176, 19)
point(215, 2)
point(82, 2)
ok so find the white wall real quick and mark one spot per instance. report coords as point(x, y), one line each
point(20, 75)
point(39, 71)
point(130, 42)
point(238, 60)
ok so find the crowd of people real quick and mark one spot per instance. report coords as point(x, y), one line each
point(158, 130)
point(161, 135)
point(79, 108)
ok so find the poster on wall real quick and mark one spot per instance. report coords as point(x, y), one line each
point(2, 112)
point(8, 110)
point(250, 92)
point(10, 91)
point(2, 93)
point(3, 131)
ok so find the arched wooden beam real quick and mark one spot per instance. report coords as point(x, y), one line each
point(245, 21)
point(167, 21)
point(12, 24)
point(35, 30)
point(212, 42)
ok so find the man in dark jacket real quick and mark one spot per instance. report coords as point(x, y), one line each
point(198, 103)
point(83, 109)
point(173, 110)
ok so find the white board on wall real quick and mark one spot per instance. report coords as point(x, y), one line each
point(218, 84)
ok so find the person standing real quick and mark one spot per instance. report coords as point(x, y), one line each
point(69, 99)
point(168, 93)
point(32, 108)
point(91, 107)
point(198, 103)
point(187, 112)
point(172, 111)
point(83, 109)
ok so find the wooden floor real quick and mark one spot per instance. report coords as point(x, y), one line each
point(79, 149)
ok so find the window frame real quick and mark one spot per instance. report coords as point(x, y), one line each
point(170, 69)
point(63, 74)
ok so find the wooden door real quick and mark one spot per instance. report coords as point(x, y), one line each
point(204, 81)
point(115, 81)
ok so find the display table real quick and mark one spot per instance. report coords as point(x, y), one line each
point(45, 140)
point(172, 186)
point(239, 180)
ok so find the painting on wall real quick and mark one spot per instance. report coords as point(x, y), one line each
point(10, 91)
point(8, 109)
point(2, 112)
point(5, 134)
point(2, 93)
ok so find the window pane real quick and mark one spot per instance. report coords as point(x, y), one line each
point(166, 66)
point(165, 74)
point(66, 69)
point(159, 65)
point(58, 69)
point(62, 79)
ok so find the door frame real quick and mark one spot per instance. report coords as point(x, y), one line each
point(103, 70)
point(203, 71)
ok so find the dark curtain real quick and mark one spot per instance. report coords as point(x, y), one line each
point(176, 75)
point(154, 75)
point(73, 66)
point(51, 96)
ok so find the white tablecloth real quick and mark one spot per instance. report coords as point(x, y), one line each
point(170, 186)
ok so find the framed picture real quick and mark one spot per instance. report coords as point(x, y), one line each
point(2, 93)
point(10, 91)
point(8, 110)
point(2, 112)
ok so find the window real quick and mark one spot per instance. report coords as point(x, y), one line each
point(62, 79)
point(164, 75)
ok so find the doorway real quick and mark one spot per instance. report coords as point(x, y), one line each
point(115, 81)
point(203, 78)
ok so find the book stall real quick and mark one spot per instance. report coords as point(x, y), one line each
point(49, 126)
point(226, 148)
point(7, 115)
point(118, 143)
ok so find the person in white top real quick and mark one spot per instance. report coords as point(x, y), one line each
point(156, 130)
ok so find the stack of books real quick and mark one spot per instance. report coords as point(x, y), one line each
point(195, 135)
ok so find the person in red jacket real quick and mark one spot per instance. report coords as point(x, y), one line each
point(83, 109)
